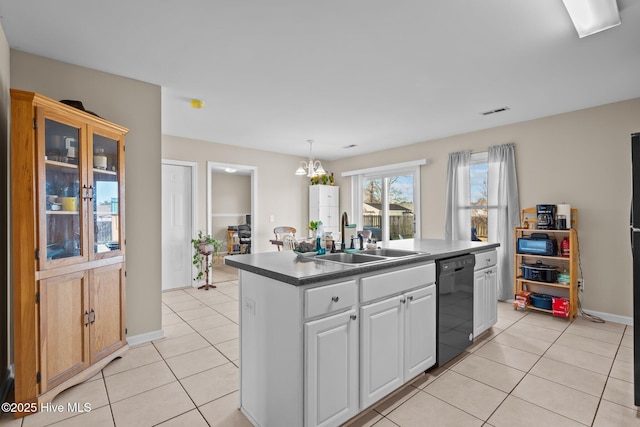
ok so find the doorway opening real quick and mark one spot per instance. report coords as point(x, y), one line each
point(232, 206)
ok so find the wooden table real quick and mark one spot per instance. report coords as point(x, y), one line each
point(278, 243)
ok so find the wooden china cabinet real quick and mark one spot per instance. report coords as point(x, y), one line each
point(68, 245)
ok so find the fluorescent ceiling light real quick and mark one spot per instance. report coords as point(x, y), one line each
point(592, 16)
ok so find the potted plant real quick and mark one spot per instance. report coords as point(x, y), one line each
point(325, 179)
point(203, 246)
point(312, 227)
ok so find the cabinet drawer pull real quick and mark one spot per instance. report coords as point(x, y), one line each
point(86, 318)
point(92, 316)
point(354, 317)
point(335, 299)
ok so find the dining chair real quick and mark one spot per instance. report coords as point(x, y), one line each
point(282, 231)
point(288, 242)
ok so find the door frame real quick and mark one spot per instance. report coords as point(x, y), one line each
point(194, 197)
point(253, 172)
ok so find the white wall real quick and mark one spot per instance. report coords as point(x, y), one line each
point(582, 158)
point(135, 105)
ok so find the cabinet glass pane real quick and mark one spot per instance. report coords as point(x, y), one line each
point(62, 185)
point(106, 211)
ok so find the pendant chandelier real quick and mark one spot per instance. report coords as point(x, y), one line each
point(312, 167)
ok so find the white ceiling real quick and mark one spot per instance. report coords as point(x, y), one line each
point(375, 73)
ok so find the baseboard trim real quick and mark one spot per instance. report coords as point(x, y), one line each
point(611, 317)
point(608, 317)
point(6, 384)
point(145, 338)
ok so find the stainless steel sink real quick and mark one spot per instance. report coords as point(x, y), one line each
point(392, 253)
point(350, 258)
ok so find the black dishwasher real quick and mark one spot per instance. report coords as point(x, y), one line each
point(455, 306)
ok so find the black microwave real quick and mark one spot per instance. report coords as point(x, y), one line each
point(527, 245)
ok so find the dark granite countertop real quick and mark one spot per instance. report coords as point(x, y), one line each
point(288, 267)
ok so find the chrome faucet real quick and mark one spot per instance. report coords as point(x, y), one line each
point(343, 223)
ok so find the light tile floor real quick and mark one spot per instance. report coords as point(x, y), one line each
point(531, 369)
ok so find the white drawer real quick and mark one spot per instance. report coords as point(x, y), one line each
point(395, 282)
point(486, 259)
point(329, 298)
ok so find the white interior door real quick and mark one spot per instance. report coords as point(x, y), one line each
point(177, 226)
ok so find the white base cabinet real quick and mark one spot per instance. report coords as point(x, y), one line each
point(485, 292)
point(382, 341)
point(304, 350)
point(419, 331)
point(331, 369)
point(397, 342)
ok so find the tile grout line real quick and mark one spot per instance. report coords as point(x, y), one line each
point(607, 380)
point(528, 372)
point(210, 344)
point(172, 372)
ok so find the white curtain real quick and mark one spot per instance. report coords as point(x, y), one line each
point(457, 214)
point(504, 212)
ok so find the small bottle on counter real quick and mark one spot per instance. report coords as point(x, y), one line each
point(321, 244)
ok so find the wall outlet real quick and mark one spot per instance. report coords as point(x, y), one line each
point(581, 284)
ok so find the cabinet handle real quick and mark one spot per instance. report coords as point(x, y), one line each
point(354, 317)
point(84, 191)
point(86, 318)
point(335, 299)
point(91, 192)
point(92, 315)
point(410, 298)
point(403, 300)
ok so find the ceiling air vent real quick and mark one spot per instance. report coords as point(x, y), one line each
point(497, 110)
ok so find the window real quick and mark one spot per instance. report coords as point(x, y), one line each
point(387, 200)
point(388, 207)
point(479, 194)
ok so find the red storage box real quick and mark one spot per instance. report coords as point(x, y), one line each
point(560, 307)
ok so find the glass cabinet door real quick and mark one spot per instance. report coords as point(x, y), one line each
point(105, 194)
point(63, 223)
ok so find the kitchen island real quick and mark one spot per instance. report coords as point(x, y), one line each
point(320, 341)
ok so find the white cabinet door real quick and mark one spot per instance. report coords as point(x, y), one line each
point(328, 195)
point(328, 215)
point(331, 370)
point(485, 303)
point(491, 283)
point(479, 302)
point(420, 331)
point(324, 203)
point(381, 349)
